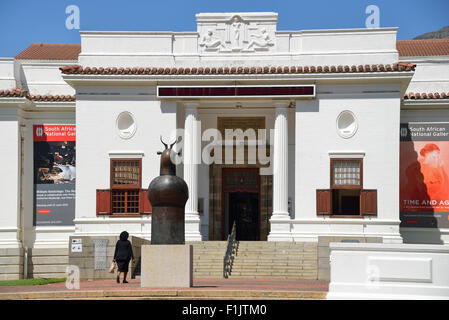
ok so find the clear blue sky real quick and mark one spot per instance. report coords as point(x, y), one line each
point(26, 21)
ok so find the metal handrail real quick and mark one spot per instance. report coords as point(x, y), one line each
point(230, 252)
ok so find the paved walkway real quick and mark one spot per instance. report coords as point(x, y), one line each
point(202, 288)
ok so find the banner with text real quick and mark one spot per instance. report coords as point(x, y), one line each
point(424, 168)
point(54, 174)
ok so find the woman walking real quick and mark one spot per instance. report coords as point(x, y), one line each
point(122, 255)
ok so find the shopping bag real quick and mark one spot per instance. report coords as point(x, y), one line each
point(112, 267)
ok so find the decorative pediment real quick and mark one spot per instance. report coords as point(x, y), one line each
point(236, 32)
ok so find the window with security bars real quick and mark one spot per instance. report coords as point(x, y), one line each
point(346, 173)
point(125, 185)
point(125, 198)
point(346, 197)
point(126, 172)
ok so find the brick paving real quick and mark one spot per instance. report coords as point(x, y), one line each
point(198, 285)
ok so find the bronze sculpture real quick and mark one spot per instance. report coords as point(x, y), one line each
point(168, 195)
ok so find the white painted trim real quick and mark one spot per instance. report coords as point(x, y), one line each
point(126, 154)
point(54, 229)
point(424, 59)
point(346, 154)
point(112, 220)
point(425, 103)
point(352, 221)
point(334, 246)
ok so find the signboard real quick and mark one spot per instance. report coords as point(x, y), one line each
point(424, 169)
point(235, 91)
point(77, 245)
point(54, 174)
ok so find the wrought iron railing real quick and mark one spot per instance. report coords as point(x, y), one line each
point(231, 250)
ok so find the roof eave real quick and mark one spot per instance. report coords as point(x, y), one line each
point(74, 79)
point(412, 104)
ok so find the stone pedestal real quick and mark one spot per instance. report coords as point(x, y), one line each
point(167, 266)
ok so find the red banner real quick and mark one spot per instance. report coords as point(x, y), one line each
point(54, 132)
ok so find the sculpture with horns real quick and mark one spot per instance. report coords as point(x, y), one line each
point(168, 195)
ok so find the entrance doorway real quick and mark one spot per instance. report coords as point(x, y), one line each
point(241, 195)
point(221, 188)
point(244, 210)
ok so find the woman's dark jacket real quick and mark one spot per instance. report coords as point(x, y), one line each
point(123, 249)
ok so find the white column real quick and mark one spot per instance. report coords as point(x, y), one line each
point(280, 219)
point(191, 160)
point(10, 187)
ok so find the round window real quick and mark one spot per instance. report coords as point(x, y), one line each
point(346, 124)
point(126, 125)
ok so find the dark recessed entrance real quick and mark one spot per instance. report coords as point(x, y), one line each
point(241, 196)
point(244, 210)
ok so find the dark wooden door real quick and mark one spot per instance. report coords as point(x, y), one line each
point(244, 210)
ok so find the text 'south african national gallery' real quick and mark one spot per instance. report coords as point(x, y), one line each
point(292, 135)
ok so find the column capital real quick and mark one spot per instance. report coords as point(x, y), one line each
point(193, 104)
point(281, 104)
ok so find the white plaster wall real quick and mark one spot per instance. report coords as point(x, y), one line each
point(430, 77)
point(304, 47)
point(394, 271)
point(97, 136)
point(43, 78)
point(377, 137)
point(7, 80)
point(10, 119)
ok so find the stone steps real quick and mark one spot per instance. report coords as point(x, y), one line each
point(208, 259)
point(257, 259)
point(281, 260)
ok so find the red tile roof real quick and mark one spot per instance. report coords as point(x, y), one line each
point(51, 98)
point(423, 95)
point(13, 93)
point(400, 66)
point(20, 93)
point(424, 47)
point(47, 51)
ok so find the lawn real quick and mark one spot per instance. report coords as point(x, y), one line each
point(30, 282)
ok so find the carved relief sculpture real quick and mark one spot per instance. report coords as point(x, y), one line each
point(261, 40)
point(210, 42)
point(237, 33)
point(236, 30)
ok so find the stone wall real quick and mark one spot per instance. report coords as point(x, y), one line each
point(85, 260)
point(11, 263)
point(47, 262)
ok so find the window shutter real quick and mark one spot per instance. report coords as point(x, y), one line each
point(368, 202)
point(145, 206)
point(324, 202)
point(103, 201)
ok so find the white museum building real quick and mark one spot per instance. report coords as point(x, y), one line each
point(292, 135)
